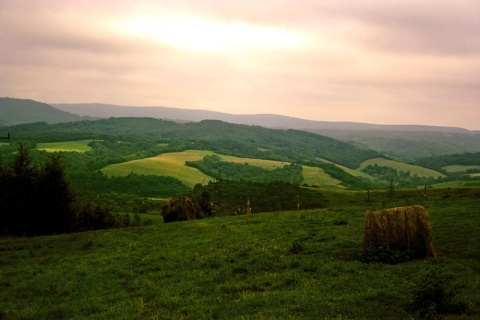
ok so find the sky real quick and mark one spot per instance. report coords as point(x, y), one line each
point(380, 62)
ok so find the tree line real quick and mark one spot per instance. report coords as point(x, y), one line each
point(39, 200)
point(217, 136)
point(212, 166)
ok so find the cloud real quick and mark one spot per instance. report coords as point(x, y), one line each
point(369, 61)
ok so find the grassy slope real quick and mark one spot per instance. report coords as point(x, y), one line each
point(419, 171)
point(240, 267)
point(173, 164)
point(459, 168)
point(168, 164)
point(68, 146)
point(355, 173)
point(317, 177)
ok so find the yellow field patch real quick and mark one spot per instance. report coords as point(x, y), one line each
point(265, 164)
point(459, 168)
point(314, 176)
point(167, 164)
point(355, 173)
point(173, 164)
point(66, 146)
point(400, 166)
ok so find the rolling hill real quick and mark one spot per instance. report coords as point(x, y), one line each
point(404, 142)
point(354, 144)
point(19, 111)
point(174, 165)
point(266, 120)
point(221, 137)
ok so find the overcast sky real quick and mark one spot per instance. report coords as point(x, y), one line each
point(384, 62)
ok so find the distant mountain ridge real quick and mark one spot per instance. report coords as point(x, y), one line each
point(405, 142)
point(266, 120)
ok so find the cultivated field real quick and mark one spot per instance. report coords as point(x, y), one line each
point(66, 146)
point(400, 166)
point(167, 164)
point(173, 164)
point(281, 265)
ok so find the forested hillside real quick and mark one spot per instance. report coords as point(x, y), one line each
point(221, 137)
point(232, 185)
point(404, 142)
point(214, 167)
point(410, 145)
point(439, 162)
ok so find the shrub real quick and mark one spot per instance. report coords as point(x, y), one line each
point(434, 294)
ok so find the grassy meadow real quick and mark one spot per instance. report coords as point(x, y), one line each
point(463, 168)
point(317, 177)
point(301, 264)
point(167, 164)
point(173, 164)
point(459, 168)
point(65, 146)
point(353, 172)
point(400, 166)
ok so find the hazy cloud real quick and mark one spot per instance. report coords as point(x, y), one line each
point(369, 61)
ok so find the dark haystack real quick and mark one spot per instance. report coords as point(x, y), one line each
point(402, 229)
point(178, 209)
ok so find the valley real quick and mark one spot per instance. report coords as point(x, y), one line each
point(296, 253)
point(173, 164)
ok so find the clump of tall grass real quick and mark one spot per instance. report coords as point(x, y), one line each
point(435, 294)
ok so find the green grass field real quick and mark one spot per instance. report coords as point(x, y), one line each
point(167, 164)
point(281, 265)
point(173, 164)
point(317, 177)
point(355, 173)
point(400, 166)
point(459, 168)
point(455, 184)
point(65, 146)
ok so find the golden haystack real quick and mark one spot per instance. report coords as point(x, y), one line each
point(401, 229)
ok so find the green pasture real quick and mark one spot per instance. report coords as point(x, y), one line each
point(65, 146)
point(353, 172)
point(167, 164)
point(173, 164)
point(266, 164)
point(282, 265)
point(459, 168)
point(454, 184)
point(400, 166)
point(317, 177)
point(311, 175)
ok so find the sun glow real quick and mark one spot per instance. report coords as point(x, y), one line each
point(199, 34)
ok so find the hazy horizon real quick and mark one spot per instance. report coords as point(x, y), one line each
point(355, 61)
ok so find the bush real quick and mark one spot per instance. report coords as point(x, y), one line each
point(434, 294)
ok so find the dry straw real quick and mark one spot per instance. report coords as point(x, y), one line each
point(402, 229)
